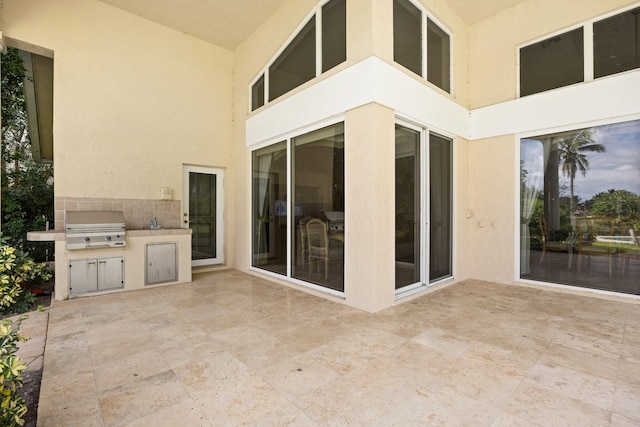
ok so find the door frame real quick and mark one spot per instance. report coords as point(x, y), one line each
point(422, 206)
point(220, 242)
point(425, 208)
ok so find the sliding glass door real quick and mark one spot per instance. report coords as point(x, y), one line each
point(407, 206)
point(423, 254)
point(298, 203)
point(580, 207)
point(269, 183)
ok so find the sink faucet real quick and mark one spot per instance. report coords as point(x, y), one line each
point(154, 224)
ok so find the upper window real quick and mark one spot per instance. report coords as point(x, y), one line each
point(560, 60)
point(305, 57)
point(555, 62)
point(334, 34)
point(438, 54)
point(409, 49)
point(407, 35)
point(616, 44)
point(296, 64)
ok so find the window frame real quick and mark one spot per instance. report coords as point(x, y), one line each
point(426, 16)
point(588, 45)
point(315, 14)
point(518, 195)
point(426, 131)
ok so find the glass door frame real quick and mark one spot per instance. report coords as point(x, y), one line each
point(219, 173)
point(290, 241)
point(423, 205)
point(425, 208)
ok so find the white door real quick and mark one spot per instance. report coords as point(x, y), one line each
point(202, 205)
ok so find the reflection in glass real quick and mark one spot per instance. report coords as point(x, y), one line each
point(269, 207)
point(407, 205)
point(318, 207)
point(552, 63)
point(580, 207)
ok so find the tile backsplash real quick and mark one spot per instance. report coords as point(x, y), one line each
point(137, 212)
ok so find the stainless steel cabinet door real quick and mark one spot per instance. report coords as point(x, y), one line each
point(110, 273)
point(83, 276)
point(161, 263)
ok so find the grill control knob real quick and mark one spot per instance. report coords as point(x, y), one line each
point(107, 238)
point(86, 239)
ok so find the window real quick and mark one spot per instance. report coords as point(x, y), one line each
point(296, 65)
point(304, 56)
point(616, 44)
point(552, 63)
point(407, 35)
point(408, 47)
point(257, 94)
point(311, 220)
point(438, 54)
point(559, 61)
point(580, 207)
point(334, 34)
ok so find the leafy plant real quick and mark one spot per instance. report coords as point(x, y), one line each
point(27, 185)
point(15, 269)
point(12, 406)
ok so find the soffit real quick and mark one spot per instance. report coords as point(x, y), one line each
point(227, 23)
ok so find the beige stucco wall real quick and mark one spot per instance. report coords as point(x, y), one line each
point(133, 100)
point(494, 41)
point(369, 216)
point(490, 252)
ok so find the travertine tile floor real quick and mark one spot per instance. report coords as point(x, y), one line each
point(232, 349)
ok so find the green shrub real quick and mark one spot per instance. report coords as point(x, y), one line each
point(12, 406)
point(16, 268)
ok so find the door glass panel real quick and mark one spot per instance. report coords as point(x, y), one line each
point(440, 212)
point(318, 235)
point(407, 205)
point(580, 207)
point(202, 214)
point(269, 193)
point(407, 35)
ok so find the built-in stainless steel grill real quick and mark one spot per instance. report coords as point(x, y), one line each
point(95, 229)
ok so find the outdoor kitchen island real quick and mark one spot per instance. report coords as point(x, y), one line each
point(160, 244)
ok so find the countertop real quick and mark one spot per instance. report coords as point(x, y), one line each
point(59, 235)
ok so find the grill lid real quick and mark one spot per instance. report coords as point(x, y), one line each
point(94, 221)
point(95, 229)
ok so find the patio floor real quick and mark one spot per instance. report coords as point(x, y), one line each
point(233, 349)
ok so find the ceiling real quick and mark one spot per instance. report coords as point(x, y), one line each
point(227, 23)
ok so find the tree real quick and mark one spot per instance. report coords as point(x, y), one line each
point(27, 185)
point(614, 203)
point(573, 151)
